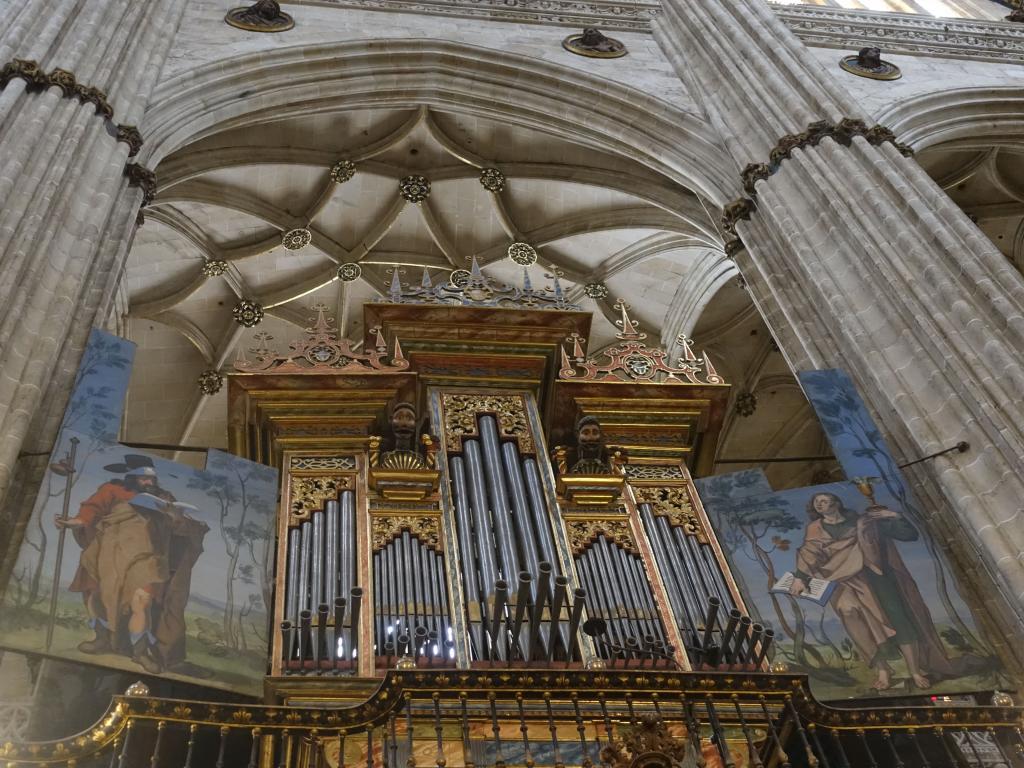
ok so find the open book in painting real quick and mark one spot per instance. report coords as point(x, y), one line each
point(818, 590)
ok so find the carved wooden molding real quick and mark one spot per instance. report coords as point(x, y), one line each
point(460, 419)
point(37, 79)
point(308, 494)
point(676, 505)
point(584, 532)
point(426, 528)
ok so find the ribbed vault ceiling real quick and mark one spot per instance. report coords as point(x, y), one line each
point(593, 219)
point(987, 182)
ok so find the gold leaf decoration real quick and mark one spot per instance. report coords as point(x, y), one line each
point(386, 527)
point(674, 503)
point(582, 533)
point(310, 493)
point(460, 419)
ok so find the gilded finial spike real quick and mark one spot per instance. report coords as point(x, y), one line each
point(380, 344)
point(398, 352)
point(396, 284)
point(474, 268)
point(708, 366)
point(425, 282)
point(630, 330)
point(566, 365)
point(687, 348)
point(527, 285)
point(577, 346)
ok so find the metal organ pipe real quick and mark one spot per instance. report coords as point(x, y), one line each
point(685, 604)
point(471, 572)
point(291, 603)
point(517, 494)
point(538, 505)
point(408, 582)
point(316, 578)
point(332, 563)
point(305, 562)
point(347, 548)
point(500, 510)
point(693, 578)
point(319, 573)
point(540, 596)
point(356, 599)
point(556, 615)
point(504, 533)
point(618, 592)
point(411, 617)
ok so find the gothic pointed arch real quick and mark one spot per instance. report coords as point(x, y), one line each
point(531, 93)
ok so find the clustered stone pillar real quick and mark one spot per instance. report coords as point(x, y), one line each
point(77, 75)
point(859, 261)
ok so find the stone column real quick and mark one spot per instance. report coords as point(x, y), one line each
point(859, 261)
point(76, 75)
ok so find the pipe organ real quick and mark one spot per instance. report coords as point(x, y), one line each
point(472, 490)
point(519, 603)
point(491, 552)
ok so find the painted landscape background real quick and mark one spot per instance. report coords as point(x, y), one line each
point(226, 612)
point(761, 532)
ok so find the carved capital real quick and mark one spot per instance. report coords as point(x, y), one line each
point(130, 135)
point(26, 69)
point(754, 173)
point(89, 94)
point(140, 176)
point(737, 210)
point(64, 80)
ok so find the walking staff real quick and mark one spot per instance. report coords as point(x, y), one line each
point(67, 468)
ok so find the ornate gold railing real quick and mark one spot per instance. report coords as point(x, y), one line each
point(531, 718)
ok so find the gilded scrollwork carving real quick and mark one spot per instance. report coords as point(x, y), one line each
point(583, 532)
point(426, 528)
point(654, 472)
point(322, 350)
point(310, 493)
point(633, 360)
point(676, 504)
point(460, 419)
point(323, 462)
point(646, 743)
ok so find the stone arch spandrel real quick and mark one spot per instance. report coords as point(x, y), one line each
point(204, 38)
point(579, 107)
point(980, 117)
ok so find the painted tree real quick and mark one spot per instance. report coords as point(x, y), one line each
point(844, 418)
point(754, 527)
point(94, 414)
point(245, 516)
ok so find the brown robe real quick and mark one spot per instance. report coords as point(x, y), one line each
point(125, 550)
point(847, 560)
